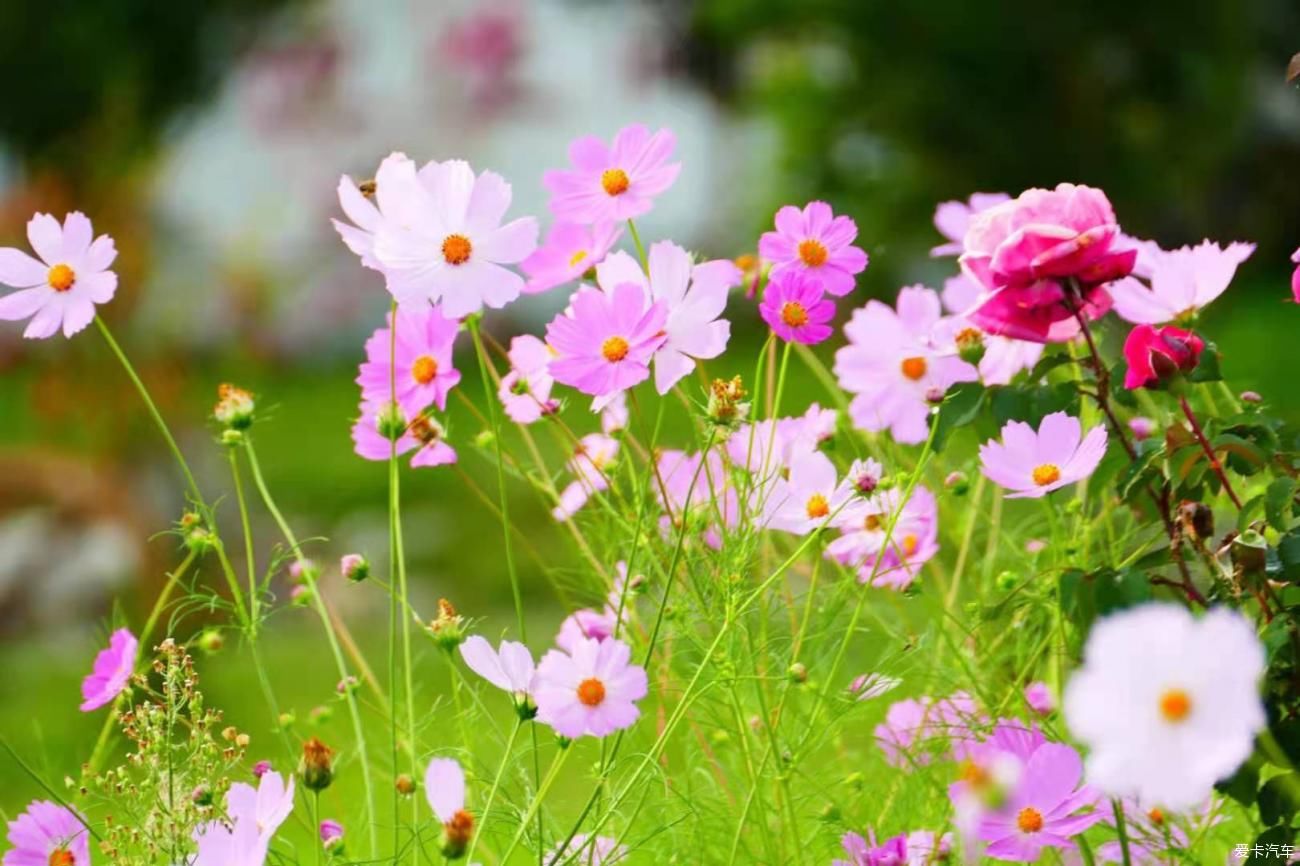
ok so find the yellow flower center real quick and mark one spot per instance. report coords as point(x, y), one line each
point(614, 349)
point(425, 369)
point(813, 253)
point(61, 278)
point(794, 314)
point(615, 181)
point(62, 857)
point(1157, 816)
point(974, 775)
point(591, 692)
point(872, 523)
point(1175, 705)
point(913, 368)
point(817, 506)
point(456, 249)
point(1029, 820)
point(910, 542)
point(1048, 473)
point(576, 258)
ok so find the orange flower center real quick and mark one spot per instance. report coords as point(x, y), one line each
point(460, 828)
point(1048, 473)
point(872, 523)
point(614, 349)
point(910, 542)
point(913, 368)
point(1029, 820)
point(1175, 705)
point(817, 506)
point(1157, 816)
point(61, 278)
point(456, 249)
point(794, 314)
point(813, 253)
point(615, 181)
point(62, 857)
point(975, 775)
point(577, 258)
point(591, 692)
point(424, 369)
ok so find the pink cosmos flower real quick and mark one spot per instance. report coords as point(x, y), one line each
point(952, 219)
point(1043, 809)
point(1039, 698)
point(796, 310)
point(694, 296)
point(907, 849)
point(809, 498)
point(816, 242)
point(1003, 357)
point(774, 445)
point(1154, 834)
point(255, 815)
point(331, 833)
point(509, 669)
point(887, 559)
point(570, 250)
point(1182, 282)
point(597, 624)
point(61, 289)
point(112, 671)
point(1295, 276)
point(423, 373)
point(591, 690)
point(421, 434)
point(893, 367)
point(693, 486)
point(594, 454)
point(444, 788)
point(1156, 355)
point(600, 851)
point(1026, 253)
point(1034, 463)
point(47, 833)
point(915, 730)
point(1142, 427)
point(604, 343)
point(525, 391)
point(614, 183)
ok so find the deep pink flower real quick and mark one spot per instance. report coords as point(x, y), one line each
point(1031, 254)
point(907, 849)
point(614, 183)
point(112, 671)
point(816, 242)
point(604, 342)
point(1043, 809)
point(331, 833)
point(1157, 355)
point(1003, 356)
point(591, 459)
point(952, 219)
point(1295, 276)
point(1033, 463)
point(796, 309)
point(1182, 281)
point(591, 690)
point(887, 559)
point(422, 434)
point(423, 370)
point(61, 289)
point(47, 833)
point(570, 250)
point(526, 390)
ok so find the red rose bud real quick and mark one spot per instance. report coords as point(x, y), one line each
point(1157, 356)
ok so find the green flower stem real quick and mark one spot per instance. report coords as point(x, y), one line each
point(492, 792)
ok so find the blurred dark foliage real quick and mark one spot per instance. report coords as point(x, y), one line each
point(1180, 109)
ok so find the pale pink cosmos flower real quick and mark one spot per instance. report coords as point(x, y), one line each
point(421, 434)
point(694, 296)
point(61, 289)
point(510, 668)
point(605, 341)
point(770, 447)
point(444, 788)
point(593, 454)
point(47, 833)
point(569, 251)
point(1039, 698)
point(816, 242)
point(916, 730)
point(613, 183)
point(591, 690)
point(1181, 282)
point(1155, 834)
point(796, 309)
point(884, 558)
point(920, 848)
point(894, 368)
point(112, 671)
point(600, 851)
point(614, 415)
point(952, 219)
point(811, 496)
point(1003, 356)
point(422, 372)
point(597, 624)
point(989, 765)
point(255, 815)
point(695, 486)
point(525, 391)
point(1032, 463)
point(1045, 808)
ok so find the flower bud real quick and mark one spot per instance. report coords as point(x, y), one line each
point(315, 768)
point(484, 439)
point(865, 476)
point(970, 345)
point(242, 740)
point(234, 409)
point(300, 596)
point(1252, 397)
point(391, 422)
point(355, 567)
point(456, 834)
point(232, 438)
point(303, 570)
point(287, 720)
point(525, 706)
point(958, 483)
point(261, 768)
point(448, 629)
point(347, 685)
point(320, 715)
point(201, 796)
point(798, 673)
point(1006, 581)
point(331, 836)
point(211, 641)
point(1158, 357)
point(727, 406)
point(1142, 428)
point(404, 784)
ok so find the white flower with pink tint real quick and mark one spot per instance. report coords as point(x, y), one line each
point(255, 814)
point(867, 686)
point(444, 788)
point(689, 485)
point(594, 454)
point(1181, 282)
point(883, 557)
point(811, 496)
point(525, 391)
point(818, 243)
point(1032, 463)
point(591, 690)
point(510, 668)
point(569, 251)
point(61, 288)
point(952, 218)
point(616, 182)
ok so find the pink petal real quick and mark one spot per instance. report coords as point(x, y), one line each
point(444, 787)
point(20, 270)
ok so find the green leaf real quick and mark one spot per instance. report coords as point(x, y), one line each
point(1114, 591)
point(1288, 552)
point(1207, 370)
point(960, 406)
point(1278, 500)
point(1140, 472)
point(1241, 785)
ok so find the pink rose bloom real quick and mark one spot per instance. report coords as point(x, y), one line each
point(605, 341)
point(796, 310)
point(1034, 463)
point(1295, 276)
point(1043, 811)
point(423, 434)
point(594, 454)
point(613, 183)
point(694, 296)
point(47, 833)
point(570, 250)
point(1157, 355)
point(952, 219)
point(1023, 253)
point(423, 373)
point(1039, 698)
point(893, 367)
point(889, 560)
point(816, 242)
point(1181, 282)
point(591, 690)
point(111, 672)
point(61, 289)
point(809, 498)
point(1003, 357)
point(525, 391)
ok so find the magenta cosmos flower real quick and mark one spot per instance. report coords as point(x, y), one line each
point(1029, 255)
point(694, 297)
point(525, 391)
point(952, 219)
point(893, 367)
point(1181, 281)
point(111, 672)
point(1157, 355)
point(1295, 276)
point(420, 433)
point(1043, 811)
point(591, 690)
point(570, 250)
point(1034, 463)
point(796, 309)
point(613, 183)
point(61, 289)
point(423, 372)
point(48, 834)
point(907, 849)
point(883, 558)
point(604, 342)
point(816, 242)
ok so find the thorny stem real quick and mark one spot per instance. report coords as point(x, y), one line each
point(1209, 451)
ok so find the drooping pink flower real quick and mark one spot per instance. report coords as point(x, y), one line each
point(694, 296)
point(1295, 276)
point(1003, 357)
point(510, 668)
point(907, 849)
point(816, 242)
point(1039, 698)
point(111, 672)
point(47, 833)
point(600, 851)
point(591, 690)
point(255, 815)
point(893, 367)
point(811, 496)
point(1033, 463)
point(421, 433)
point(613, 183)
point(62, 287)
point(1041, 257)
point(1157, 355)
point(916, 730)
point(604, 342)
point(884, 558)
point(525, 391)
point(952, 219)
point(419, 364)
point(569, 251)
point(1181, 282)
point(592, 456)
point(1044, 809)
point(796, 309)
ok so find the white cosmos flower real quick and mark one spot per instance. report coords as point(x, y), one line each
point(1168, 703)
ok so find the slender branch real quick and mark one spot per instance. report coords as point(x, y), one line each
point(1215, 465)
